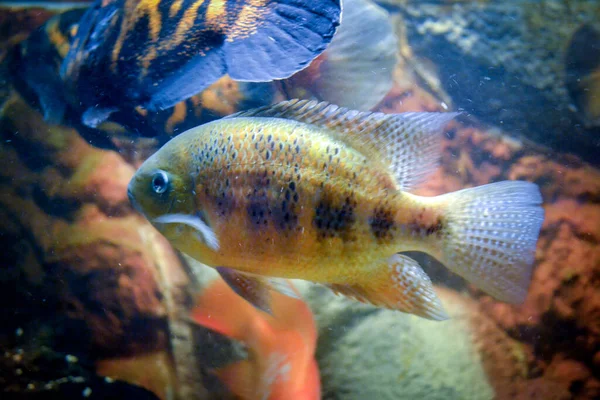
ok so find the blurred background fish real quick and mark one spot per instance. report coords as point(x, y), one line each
point(582, 71)
point(354, 71)
point(130, 53)
point(281, 346)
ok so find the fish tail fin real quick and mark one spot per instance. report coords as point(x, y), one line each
point(490, 236)
point(356, 69)
point(398, 283)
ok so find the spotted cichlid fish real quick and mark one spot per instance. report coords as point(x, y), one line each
point(312, 191)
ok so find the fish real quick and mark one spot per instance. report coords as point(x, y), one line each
point(35, 62)
point(281, 346)
point(364, 45)
point(582, 73)
point(356, 70)
point(155, 54)
point(308, 190)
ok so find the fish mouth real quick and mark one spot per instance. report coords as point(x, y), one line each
point(136, 206)
point(202, 230)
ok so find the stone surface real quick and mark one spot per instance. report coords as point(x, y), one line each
point(368, 352)
point(85, 267)
point(507, 64)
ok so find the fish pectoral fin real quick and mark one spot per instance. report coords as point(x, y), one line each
point(398, 283)
point(255, 288)
point(92, 117)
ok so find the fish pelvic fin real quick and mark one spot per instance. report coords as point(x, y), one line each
point(398, 283)
point(408, 144)
point(364, 45)
point(257, 289)
point(490, 236)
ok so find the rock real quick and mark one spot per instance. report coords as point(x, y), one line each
point(41, 373)
point(541, 388)
point(153, 371)
point(88, 268)
point(365, 352)
point(507, 64)
point(568, 372)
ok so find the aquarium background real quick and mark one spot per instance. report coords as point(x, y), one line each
point(96, 303)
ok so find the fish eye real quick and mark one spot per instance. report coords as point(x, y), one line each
point(160, 182)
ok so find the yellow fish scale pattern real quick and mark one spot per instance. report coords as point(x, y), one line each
point(285, 198)
point(312, 191)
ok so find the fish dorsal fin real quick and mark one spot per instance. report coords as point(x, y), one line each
point(408, 143)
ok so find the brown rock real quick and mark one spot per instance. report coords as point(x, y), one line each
point(539, 388)
point(567, 372)
point(153, 371)
point(117, 286)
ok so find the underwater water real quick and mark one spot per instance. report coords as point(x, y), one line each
point(156, 246)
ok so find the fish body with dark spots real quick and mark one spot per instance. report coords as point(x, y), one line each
point(311, 191)
point(582, 73)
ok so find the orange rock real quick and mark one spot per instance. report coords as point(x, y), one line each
point(567, 371)
point(153, 371)
point(106, 270)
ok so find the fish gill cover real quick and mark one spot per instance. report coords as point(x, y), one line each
point(154, 53)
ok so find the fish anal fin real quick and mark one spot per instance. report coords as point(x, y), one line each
point(257, 289)
point(398, 283)
point(409, 144)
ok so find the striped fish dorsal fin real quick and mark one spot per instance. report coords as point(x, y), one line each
point(407, 143)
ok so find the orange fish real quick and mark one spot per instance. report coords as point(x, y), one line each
point(281, 346)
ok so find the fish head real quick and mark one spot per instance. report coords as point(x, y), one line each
point(160, 189)
point(163, 189)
